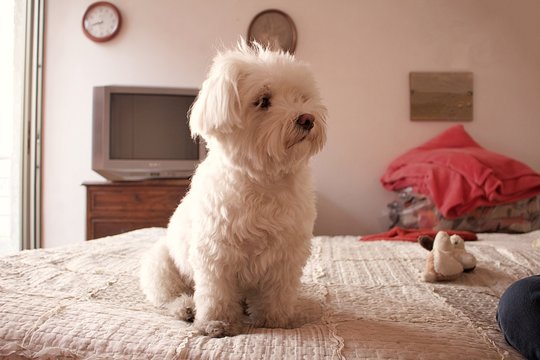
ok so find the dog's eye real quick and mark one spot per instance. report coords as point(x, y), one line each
point(263, 102)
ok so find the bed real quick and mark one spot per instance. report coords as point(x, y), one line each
point(359, 300)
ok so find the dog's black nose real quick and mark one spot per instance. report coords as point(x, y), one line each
point(306, 121)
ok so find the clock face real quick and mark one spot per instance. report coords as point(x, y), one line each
point(101, 21)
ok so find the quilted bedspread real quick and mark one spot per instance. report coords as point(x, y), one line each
point(360, 300)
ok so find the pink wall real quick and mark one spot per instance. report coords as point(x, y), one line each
point(361, 52)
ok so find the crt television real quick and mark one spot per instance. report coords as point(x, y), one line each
point(143, 133)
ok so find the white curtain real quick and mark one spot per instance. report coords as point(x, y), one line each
point(21, 27)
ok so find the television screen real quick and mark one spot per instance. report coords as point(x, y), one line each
point(148, 127)
point(143, 133)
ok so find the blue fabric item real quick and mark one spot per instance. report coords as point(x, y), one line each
point(518, 316)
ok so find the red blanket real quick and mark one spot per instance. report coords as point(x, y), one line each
point(459, 175)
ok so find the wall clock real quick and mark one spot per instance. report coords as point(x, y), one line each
point(101, 21)
point(273, 28)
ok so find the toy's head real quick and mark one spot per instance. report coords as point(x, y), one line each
point(457, 242)
point(442, 242)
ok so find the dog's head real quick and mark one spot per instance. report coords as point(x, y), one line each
point(260, 109)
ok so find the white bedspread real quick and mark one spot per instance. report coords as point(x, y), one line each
point(361, 300)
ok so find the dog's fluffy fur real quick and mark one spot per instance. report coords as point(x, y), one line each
point(237, 243)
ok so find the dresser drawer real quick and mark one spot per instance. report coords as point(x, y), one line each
point(135, 199)
point(103, 227)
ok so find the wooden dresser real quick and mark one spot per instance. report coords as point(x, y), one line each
point(116, 207)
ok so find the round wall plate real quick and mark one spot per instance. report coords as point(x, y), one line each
point(273, 28)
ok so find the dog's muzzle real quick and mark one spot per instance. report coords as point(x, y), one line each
point(306, 121)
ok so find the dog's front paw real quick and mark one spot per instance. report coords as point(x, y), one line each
point(182, 307)
point(271, 316)
point(216, 328)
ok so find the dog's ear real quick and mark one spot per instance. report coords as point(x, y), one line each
point(217, 108)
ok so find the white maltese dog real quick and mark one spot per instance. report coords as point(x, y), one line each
point(237, 243)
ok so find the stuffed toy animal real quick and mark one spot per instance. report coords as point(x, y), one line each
point(447, 257)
